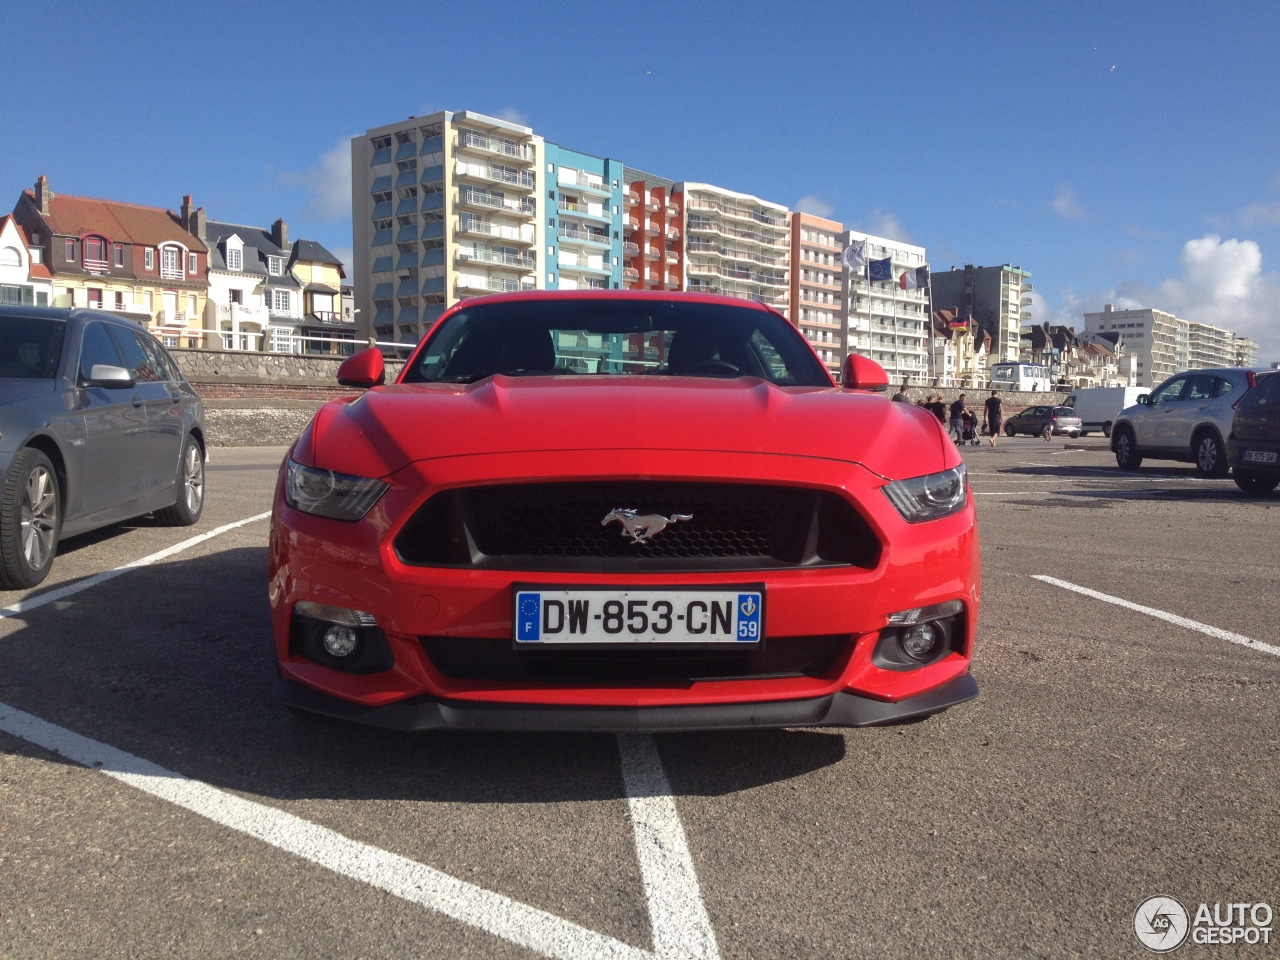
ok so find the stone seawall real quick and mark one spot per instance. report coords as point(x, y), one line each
point(266, 399)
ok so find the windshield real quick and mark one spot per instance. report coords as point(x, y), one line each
point(609, 337)
point(30, 348)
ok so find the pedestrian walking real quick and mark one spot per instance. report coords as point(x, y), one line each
point(938, 408)
point(957, 419)
point(995, 415)
point(902, 396)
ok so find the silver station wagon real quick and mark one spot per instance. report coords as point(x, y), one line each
point(97, 425)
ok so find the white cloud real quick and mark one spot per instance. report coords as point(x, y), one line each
point(815, 205)
point(1065, 204)
point(1222, 283)
point(883, 223)
point(328, 183)
point(1260, 213)
point(512, 115)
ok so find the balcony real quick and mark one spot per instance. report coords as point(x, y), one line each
point(651, 227)
point(581, 180)
point(583, 265)
point(652, 205)
point(522, 179)
point(630, 223)
point(477, 227)
point(673, 210)
point(631, 249)
point(673, 257)
point(95, 266)
point(492, 285)
point(631, 275)
point(583, 209)
point(522, 206)
point(651, 252)
point(172, 318)
point(673, 281)
point(524, 261)
point(631, 198)
point(172, 273)
point(479, 142)
point(584, 236)
point(673, 233)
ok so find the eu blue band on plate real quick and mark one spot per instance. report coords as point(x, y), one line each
point(528, 617)
point(749, 617)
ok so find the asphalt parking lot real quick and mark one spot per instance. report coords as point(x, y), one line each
point(156, 801)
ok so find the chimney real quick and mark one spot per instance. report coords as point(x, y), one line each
point(43, 195)
point(280, 234)
point(198, 226)
point(1106, 308)
point(186, 212)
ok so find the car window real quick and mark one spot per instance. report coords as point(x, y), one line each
point(1063, 412)
point(1169, 391)
point(30, 347)
point(1265, 395)
point(97, 347)
point(160, 360)
point(1222, 386)
point(1200, 387)
point(615, 337)
point(136, 361)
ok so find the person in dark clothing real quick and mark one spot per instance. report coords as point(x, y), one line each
point(957, 419)
point(902, 396)
point(937, 408)
point(995, 415)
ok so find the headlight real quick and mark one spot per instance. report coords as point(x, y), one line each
point(327, 493)
point(931, 497)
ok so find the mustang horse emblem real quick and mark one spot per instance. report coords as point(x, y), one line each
point(642, 527)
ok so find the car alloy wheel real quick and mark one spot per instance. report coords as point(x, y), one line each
point(1211, 459)
point(30, 520)
point(187, 508)
point(1127, 450)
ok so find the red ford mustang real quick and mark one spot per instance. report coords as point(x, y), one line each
point(621, 511)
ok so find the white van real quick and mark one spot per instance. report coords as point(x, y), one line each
point(1098, 407)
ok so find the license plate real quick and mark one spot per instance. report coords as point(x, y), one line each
point(1260, 456)
point(719, 616)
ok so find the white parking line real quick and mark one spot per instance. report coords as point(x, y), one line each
point(681, 928)
point(61, 593)
point(1163, 615)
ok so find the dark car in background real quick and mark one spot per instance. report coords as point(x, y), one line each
point(97, 425)
point(1253, 446)
point(1033, 420)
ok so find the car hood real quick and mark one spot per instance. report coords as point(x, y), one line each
point(15, 390)
point(389, 427)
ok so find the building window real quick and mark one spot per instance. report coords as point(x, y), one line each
point(70, 249)
point(149, 256)
point(95, 297)
point(280, 301)
point(193, 263)
point(235, 259)
point(275, 265)
point(117, 252)
point(170, 266)
point(119, 300)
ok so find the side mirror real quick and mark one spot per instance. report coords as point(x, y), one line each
point(1145, 399)
point(108, 375)
point(363, 369)
point(863, 373)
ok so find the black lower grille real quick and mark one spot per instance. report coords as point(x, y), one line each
point(481, 659)
point(693, 526)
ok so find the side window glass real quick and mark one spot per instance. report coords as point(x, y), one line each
point(1170, 391)
point(136, 360)
point(1199, 388)
point(160, 361)
point(1265, 394)
point(97, 347)
point(1222, 386)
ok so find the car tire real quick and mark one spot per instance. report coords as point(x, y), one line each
point(1126, 447)
point(1210, 455)
point(1106, 429)
point(1255, 484)
point(30, 520)
point(1010, 432)
point(189, 505)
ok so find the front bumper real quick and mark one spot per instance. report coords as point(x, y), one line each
point(428, 713)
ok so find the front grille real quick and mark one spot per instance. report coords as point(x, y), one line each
point(558, 526)
point(481, 659)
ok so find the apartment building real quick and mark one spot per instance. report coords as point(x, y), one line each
point(995, 299)
point(24, 279)
point(737, 245)
point(1164, 344)
point(883, 321)
point(816, 291)
point(584, 220)
point(653, 223)
point(106, 254)
point(444, 207)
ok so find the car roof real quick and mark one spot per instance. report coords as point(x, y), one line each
point(684, 296)
point(65, 313)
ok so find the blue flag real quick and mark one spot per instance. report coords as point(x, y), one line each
point(880, 269)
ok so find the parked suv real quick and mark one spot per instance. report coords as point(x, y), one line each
point(1033, 420)
point(1185, 418)
point(1253, 446)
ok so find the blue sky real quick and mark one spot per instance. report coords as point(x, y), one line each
point(1121, 152)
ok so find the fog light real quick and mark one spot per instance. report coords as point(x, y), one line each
point(340, 642)
point(921, 641)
